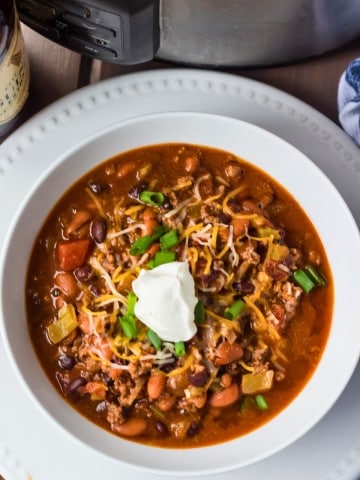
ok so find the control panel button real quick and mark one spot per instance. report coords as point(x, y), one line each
point(83, 46)
point(91, 27)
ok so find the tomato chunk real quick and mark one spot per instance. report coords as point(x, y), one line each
point(73, 253)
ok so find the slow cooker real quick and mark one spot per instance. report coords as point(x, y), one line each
point(212, 33)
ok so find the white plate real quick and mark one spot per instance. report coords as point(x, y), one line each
point(331, 450)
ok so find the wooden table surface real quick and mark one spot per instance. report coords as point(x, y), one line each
point(57, 71)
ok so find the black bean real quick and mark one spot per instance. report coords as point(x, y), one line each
point(94, 289)
point(224, 218)
point(97, 187)
point(244, 287)
point(198, 378)
point(161, 427)
point(101, 407)
point(65, 362)
point(135, 191)
point(84, 273)
point(98, 230)
point(166, 203)
point(193, 429)
point(75, 384)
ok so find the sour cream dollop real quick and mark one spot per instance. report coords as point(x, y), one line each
point(166, 301)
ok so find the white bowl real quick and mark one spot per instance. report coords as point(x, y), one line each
point(307, 184)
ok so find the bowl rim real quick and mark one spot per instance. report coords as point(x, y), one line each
point(193, 117)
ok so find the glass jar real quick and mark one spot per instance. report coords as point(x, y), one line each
point(14, 69)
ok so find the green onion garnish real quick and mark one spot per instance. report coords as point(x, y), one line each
point(132, 298)
point(179, 349)
point(261, 402)
point(199, 312)
point(142, 244)
point(154, 339)
point(234, 310)
point(160, 258)
point(128, 321)
point(314, 275)
point(169, 240)
point(152, 198)
point(128, 325)
point(303, 280)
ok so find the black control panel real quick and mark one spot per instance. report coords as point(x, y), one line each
point(115, 31)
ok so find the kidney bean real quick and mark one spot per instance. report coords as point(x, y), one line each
point(225, 397)
point(65, 362)
point(226, 353)
point(75, 385)
point(130, 428)
point(67, 283)
point(84, 273)
point(98, 230)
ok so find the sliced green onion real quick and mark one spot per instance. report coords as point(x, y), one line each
point(199, 312)
point(179, 349)
point(303, 280)
point(154, 339)
point(142, 244)
point(246, 402)
point(234, 310)
point(152, 198)
point(160, 258)
point(261, 402)
point(169, 240)
point(314, 275)
point(128, 325)
point(132, 298)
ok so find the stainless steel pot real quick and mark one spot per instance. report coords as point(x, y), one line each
point(254, 32)
point(215, 33)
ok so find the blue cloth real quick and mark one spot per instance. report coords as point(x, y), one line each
point(349, 100)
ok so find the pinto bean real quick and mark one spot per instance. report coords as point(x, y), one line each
point(67, 284)
point(156, 385)
point(240, 226)
point(233, 169)
point(225, 397)
point(191, 163)
point(125, 169)
point(150, 221)
point(78, 220)
point(166, 402)
point(198, 402)
point(130, 428)
point(226, 353)
point(149, 214)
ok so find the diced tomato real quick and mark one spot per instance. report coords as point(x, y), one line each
point(73, 253)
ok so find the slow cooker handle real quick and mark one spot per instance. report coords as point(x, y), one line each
point(115, 31)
